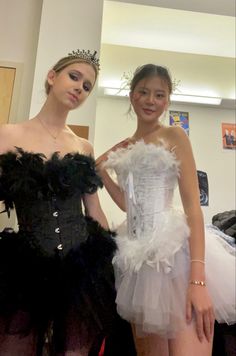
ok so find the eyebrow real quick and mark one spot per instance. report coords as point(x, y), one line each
point(78, 72)
point(157, 90)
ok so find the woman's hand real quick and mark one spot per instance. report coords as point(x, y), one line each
point(103, 157)
point(199, 302)
point(100, 160)
point(122, 144)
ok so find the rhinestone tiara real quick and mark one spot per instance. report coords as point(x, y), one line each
point(127, 77)
point(87, 56)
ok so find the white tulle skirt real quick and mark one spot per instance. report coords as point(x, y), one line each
point(153, 297)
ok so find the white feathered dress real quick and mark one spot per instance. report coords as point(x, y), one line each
point(152, 262)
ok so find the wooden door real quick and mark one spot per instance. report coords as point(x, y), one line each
point(82, 131)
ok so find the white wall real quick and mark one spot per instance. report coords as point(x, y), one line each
point(19, 27)
point(112, 125)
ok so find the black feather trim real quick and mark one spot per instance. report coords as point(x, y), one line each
point(32, 176)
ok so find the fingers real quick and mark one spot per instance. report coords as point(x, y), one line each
point(212, 321)
point(199, 325)
point(188, 311)
point(123, 143)
point(205, 324)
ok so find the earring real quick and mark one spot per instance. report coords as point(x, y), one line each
point(163, 117)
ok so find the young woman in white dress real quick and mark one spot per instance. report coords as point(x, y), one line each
point(170, 283)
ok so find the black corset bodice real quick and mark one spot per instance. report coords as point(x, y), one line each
point(58, 224)
point(47, 195)
point(60, 260)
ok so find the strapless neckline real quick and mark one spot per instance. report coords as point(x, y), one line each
point(19, 151)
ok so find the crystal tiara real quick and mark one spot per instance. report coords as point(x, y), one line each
point(87, 56)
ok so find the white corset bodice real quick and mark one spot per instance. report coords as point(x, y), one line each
point(148, 175)
point(154, 230)
point(148, 193)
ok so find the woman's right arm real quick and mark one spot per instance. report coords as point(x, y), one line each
point(112, 188)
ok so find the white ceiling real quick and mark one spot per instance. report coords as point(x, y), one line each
point(163, 28)
point(218, 7)
point(177, 30)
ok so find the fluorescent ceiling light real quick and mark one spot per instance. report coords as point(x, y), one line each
point(116, 92)
point(174, 97)
point(196, 99)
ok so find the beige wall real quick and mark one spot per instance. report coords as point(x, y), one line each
point(19, 26)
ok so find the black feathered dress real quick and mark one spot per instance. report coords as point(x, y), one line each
point(57, 267)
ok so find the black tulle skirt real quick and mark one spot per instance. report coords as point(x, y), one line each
point(75, 290)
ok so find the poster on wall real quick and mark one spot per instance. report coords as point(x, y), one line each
point(180, 118)
point(203, 187)
point(228, 136)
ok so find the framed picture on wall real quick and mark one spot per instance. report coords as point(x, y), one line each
point(228, 135)
point(180, 118)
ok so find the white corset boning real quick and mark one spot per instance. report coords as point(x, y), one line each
point(147, 196)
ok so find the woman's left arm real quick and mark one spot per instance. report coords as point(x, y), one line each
point(94, 210)
point(197, 296)
point(91, 201)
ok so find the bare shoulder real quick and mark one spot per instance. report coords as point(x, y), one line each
point(7, 128)
point(175, 135)
point(85, 146)
point(175, 131)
